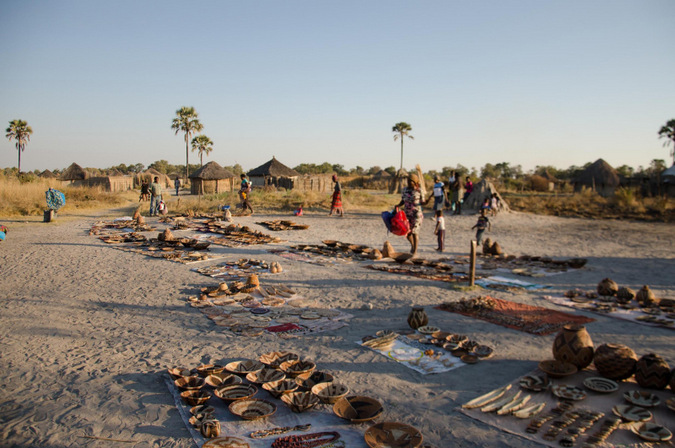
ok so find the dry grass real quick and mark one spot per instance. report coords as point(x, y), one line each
point(28, 198)
point(624, 204)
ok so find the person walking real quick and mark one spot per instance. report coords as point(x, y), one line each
point(456, 188)
point(439, 194)
point(244, 190)
point(176, 183)
point(439, 231)
point(412, 201)
point(481, 226)
point(155, 197)
point(336, 203)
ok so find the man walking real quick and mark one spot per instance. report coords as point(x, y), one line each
point(155, 197)
point(176, 184)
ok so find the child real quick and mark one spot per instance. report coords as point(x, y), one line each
point(494, 204)
point(439, 231)
point(486, 204)
point(298, 212)
point(482, 224)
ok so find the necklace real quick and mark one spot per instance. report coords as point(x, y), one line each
point(276, 431)
point(306, 441)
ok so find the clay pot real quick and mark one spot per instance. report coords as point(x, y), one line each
point(253, 280)
point(375, 255)
point(137, 213)
point(573, 345)
point(615, 361)
point(652, 371)
point(487, 246)
point(496, 249)
point(672, 380)
point(645, 297)
point(417, 318)
point(210, 428)
point(388, 250)
point(625, 295)
point(607, 287)
point(140, 220)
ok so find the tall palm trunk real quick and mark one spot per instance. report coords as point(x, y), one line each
point(401, 151)
point(18, 149)
point(187, 152)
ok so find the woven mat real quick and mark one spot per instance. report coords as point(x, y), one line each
point(232, 270)
point(593, 402)
point(630, 315)
point(425, 272)
point(411, 355)
point(519, 316)
point(321, 418)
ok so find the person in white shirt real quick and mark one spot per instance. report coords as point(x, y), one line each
point(439, 231)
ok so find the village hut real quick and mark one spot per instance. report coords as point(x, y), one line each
point(600, 177)
point(149, 175)
point(481, 191)
point(212, 179)
point(668, 181)
point(46, 174)
point(76, 176)
point(273, 173)
point(378, 181)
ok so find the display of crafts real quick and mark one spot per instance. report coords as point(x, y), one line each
point(304, 389)
point(493, 257)
point(337, 249)
point(565, 384)
point(240, 269)
point(641, 305)
point(119, 226)
point(417, 267)
point(278, 225)
point(251, 309)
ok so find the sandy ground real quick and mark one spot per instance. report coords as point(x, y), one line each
point(88, 331)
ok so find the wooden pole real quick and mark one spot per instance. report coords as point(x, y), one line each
point(472, 265)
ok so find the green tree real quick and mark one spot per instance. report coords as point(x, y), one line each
point(391, 170)
point(402, 129)
point(162, 166)
point(667, 131)
point(625, 171)
point(204, 145)
point(656, 167)
point(20, 131)
point(339, 170)
point(187, 121)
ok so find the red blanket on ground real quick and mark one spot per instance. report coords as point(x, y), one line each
point(519, 316)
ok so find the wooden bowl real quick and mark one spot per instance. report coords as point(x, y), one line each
point(440, 335)
point(244, 367)
point(252, 409)
point(300, 401)
point(222, 379)
point(209, 369)
point(393, 435)
point(195, 397)
point(236, 392)
point(557, 369)
point(357, 408)
point(202, 409)
point(295, 368)
point(189, 383)
point(274, 359)
point(308, 380)
point(330, 393)
point(278, 388)
point(266, 375)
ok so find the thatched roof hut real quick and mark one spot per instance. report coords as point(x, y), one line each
point(46, 174)
point(600, 177)
point(212, 178)
point(74, 172)
point(149, 175)
point(273, 173)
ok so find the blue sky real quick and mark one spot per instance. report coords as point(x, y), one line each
point(527, 82)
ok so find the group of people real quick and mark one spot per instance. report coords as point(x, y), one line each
point(412, 201)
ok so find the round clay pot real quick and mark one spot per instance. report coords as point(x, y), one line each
point(645, 297)
point(607, 287)
point(573, 345)
point(653, 372)
point(417, 318)
point(672, 380)
point(615, 361)
point(625, 295)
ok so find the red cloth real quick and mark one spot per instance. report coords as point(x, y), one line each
point(283, 327)
point(519, 316)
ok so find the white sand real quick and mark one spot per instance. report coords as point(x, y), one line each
point(88, 331)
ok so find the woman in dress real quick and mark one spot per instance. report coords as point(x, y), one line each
point(411, 200)
point(336, 203)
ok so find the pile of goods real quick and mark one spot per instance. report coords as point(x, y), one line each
point(119, 226)
point(278, 225)
point(529, 265)
point(337, 249)
point(243, 266)
point(233, 235)
point(573, 351)
point(288, 380)
point(609, 297)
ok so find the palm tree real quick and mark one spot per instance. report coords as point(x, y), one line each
point(668, 131)
point(186, 121)
point(19, 131)
point(204, 145)
point(402, 130)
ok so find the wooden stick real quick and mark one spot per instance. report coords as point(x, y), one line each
point(107, 439)
point(472, 267)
